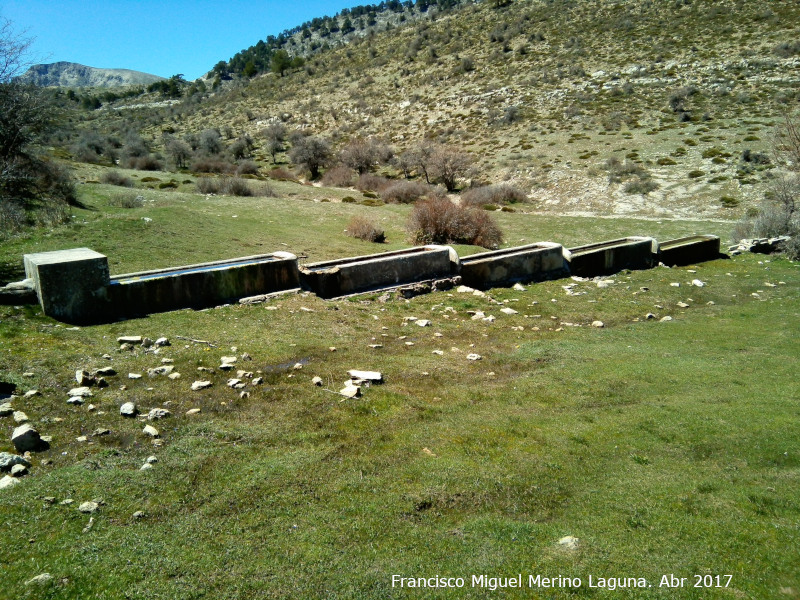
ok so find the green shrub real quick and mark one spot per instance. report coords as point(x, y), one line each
point(127, 200)
point(116, 178)
point(168, 185)
point(349, 200)
point(503, 193)
point(665, 161)
point(728, 201)
point(696, 173)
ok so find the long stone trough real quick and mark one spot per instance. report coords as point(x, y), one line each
point(689, 250)
point(346, 276)
point(605, 258)
point(202, 285)
point(533, 262)
point(75, 285)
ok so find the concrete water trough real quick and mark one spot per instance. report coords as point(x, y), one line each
point(689, 250)
point(202, 285)
point(345, 276)
point(532, 262)
point(604, 258)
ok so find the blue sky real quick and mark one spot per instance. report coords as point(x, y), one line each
point(162, 37)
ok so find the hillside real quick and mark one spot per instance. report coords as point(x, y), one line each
point(68, 74)
point(544, 94)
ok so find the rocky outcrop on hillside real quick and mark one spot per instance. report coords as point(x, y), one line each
point(67, 74)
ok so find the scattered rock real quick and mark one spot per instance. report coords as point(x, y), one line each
point(649, 316)
point(231, 360)
point(100, 431)
point(437, 352)
point(665, 319)
point(371, 376)
point(235, 383)
point(150, 431)
point(464, 289)
point(473, 356)
point(89, 507)
point(8, 481)
point(698, 283)
point(351, 391)
point(83, 392)
point(19, 470)
point(569, 542)
point(192, 411)
point(40, 579)
point(130, 339)
point(8, 461)
point(227, 367)
point(20, 417)
point(147, 342)
point(77, 400)
point(158, 413)
point(162, 370)
point(162, 342)
point(174, 376)
point(6, 409)
point(138, 515)
point(598, 324)
point(508, 311)
point(134, 375)
point(201, 385)
point(682, 305)
point(422, 322)
point(317, 381)
point(25, 438)
point(258, 381)
point(31, 394)
point(145, 467)
point(105, 372)
point(519, 287)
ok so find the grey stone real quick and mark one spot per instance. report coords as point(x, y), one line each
point(201, 385)
point(158, 413)
point(162, 342)
point(7, 461)
point(371, 376)
point(77, 400)
point(8, 481)
point(162, 370)
point(128, 410)
point(20, 417)
point(105, 372)
point(150, 431)
point(84, 377)
point(139, 514)
point(351, 391)
point(569, 542)
point(130, 339)
point(40, 579)
point(101, 431)
point(6, 410)
point(89, 507)
point(473, 356)
point(83, 392)
point(317, 381)
point(31, 394)
point(25, 438)
point(598, 324)
point(19, 470)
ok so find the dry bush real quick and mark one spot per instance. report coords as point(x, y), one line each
point(362, 154)
point(500, 194)
point(144, 163)
point(282, 174)
point(235, 186)
point(207, 185)
point(127, 200)
point(116, 178)
point(340, 176)
point(437, 220)
point(212, 165)
point(405, 192)
point(247, 167)
point(372, 183)
point(365, 229)
point(12, 218)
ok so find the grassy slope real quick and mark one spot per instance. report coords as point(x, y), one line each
point(589, 80)
point(664, 447)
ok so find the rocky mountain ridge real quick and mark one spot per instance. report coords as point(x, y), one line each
point(69, 74)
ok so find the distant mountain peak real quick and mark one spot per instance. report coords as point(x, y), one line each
point(69, 74)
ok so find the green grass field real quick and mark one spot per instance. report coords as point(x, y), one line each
point(664, 447)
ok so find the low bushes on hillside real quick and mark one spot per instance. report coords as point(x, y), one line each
point(340, 176)
point(116, 178)
point(437, 220)
point(405, 192)
point(365, 229)
point(212, 165)
point(503, 193)
point(233, 186)
point(368, 182)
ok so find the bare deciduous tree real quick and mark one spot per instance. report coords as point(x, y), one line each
point(312, 153)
